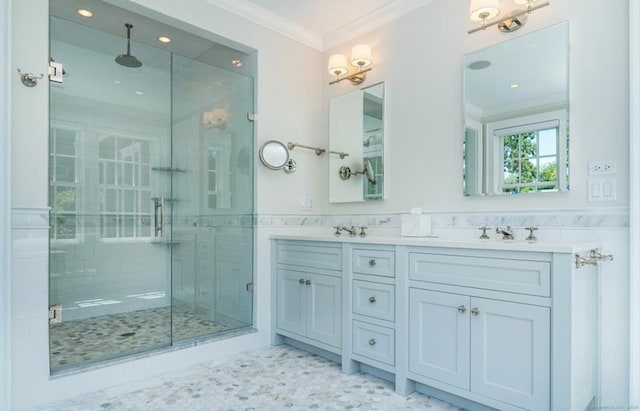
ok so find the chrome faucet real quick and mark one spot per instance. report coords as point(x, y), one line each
point(507, 234)
point(352, 231)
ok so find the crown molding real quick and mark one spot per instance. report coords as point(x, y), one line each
point(365, 24)
point(270, 20)
point(372, 21)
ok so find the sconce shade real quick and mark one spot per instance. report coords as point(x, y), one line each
point(361, 55)
point(338, 65)
point(480, 10)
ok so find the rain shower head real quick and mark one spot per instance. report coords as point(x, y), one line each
point(127, 60)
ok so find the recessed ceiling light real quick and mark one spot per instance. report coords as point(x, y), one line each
point(117, 81)
point(236, 62)
point(139, 93)
point(85, 13)
point(164, 39)
point(514, 85)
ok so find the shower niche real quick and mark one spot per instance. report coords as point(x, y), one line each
point(150, 186)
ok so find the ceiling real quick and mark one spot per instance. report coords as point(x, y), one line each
point(321, 24)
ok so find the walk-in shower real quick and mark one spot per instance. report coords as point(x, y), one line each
point(151, 186)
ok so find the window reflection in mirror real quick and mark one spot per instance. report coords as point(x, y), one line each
point(356, 141)
point(516, 108)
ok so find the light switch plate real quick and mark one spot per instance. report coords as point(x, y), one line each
point(602, 189)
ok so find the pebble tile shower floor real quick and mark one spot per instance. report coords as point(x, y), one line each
point(268, 379)
point(100, 338)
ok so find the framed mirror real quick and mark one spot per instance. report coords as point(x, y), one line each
point(516, 110)
point(356, 145)
point(274, 155)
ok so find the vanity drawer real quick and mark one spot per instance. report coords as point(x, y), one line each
point(374, 300)
point(518, 276)
point(308, 255)
point(374, 262)
point(373, 341)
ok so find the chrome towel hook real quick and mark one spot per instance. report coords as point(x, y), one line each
point(29, 79)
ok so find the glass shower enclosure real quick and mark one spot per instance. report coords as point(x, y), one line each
point(150, 186)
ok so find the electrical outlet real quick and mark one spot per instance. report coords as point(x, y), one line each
point(601, 167)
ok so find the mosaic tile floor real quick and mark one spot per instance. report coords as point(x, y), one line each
point(99, 338)
point(271, 378)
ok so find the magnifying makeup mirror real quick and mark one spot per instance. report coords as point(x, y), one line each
point(274, 155)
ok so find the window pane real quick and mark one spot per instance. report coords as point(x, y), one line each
point(107, 148)
point(548, 169)
point(144, 176)
point(548, 142)
point(65, 227)
point(145, 201)
point(110, 172)
point(65, 199)
point(213, 201)
point(528, 171)
point(127, 226)
point(128, 201)
point(109, 202)
point(65, 142)
point(212, 181)
point(108, 226)
point(144, 152)
point(143, 224)
point(66, 169)
point(124, 143)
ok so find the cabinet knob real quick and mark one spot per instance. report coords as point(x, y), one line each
point(475, 311)
point(372, 299)
point(308, 282)
point(462, 308)
point(301, 281)
point(372, 262)
point(372, 342)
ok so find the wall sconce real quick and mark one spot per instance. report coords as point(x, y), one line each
point(485, 10)
point(360, 58)
point(216, 118)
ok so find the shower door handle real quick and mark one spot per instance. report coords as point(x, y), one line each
point(158, 216)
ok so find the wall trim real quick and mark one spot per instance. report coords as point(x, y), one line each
point(365, 24)
point(614, 217)
point(5, 205)
point(634, 240)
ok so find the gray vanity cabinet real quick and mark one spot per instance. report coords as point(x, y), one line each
point(309, 294)
point(482, 324)
point(493, 348)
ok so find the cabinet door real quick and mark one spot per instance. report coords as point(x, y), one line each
point(439, 336)
point(510, 352)
point(291, 300)
point(324, 315)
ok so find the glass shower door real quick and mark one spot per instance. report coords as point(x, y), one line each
point(110, 129)
point(213, 199)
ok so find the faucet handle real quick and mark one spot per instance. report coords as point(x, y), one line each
point(337, 233)
point(484, 235)
point(531, 238)
point(353, 232)
point(363, 233)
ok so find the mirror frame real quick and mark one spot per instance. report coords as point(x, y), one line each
point(267, 162)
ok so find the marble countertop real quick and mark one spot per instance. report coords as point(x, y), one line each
point(503, 245)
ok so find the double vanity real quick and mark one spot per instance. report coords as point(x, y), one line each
point(504, 325)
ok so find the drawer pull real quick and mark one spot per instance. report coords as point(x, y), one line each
point(308, 282)
point(372, 262)
point(372, 299)
point(372, 342)
point(301, 281)
point(475, 311)
point(462, 308)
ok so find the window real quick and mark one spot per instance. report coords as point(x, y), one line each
point(63, 184)
point(530, 161)
point(528, 154)
point(124, 189)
